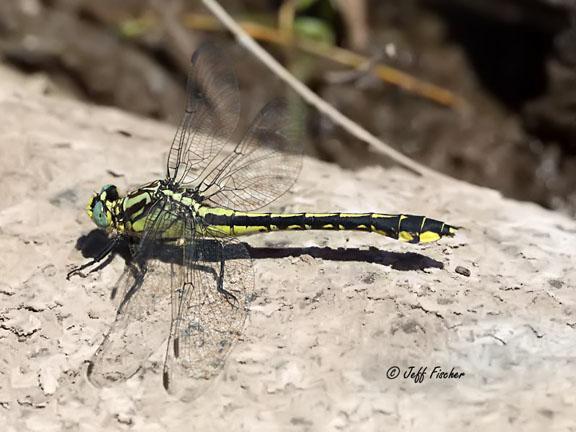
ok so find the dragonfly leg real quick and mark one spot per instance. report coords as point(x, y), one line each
point(230, 298)
point(104, 253)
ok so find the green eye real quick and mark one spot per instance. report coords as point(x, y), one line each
point(98, 215)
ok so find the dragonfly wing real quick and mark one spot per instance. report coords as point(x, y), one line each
point(141, 325)
point(211, 116)
point(210, 315)
point(264, 164)
point(143, 318)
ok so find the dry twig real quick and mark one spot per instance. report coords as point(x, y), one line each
point(336, 116)
point(340, 55)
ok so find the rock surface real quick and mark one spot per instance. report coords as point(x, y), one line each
point(333, 313)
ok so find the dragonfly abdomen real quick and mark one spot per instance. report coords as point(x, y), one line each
point(410, 228)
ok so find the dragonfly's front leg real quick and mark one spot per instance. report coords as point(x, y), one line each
point(104, 253)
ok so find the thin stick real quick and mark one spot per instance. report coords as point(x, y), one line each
point(340, 55)
point(313, 99)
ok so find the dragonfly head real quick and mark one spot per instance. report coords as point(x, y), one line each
point(100, 206)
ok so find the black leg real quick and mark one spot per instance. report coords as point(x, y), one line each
point(230, 298)
point(104, 253)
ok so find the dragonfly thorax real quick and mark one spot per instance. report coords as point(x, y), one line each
point(129, 214)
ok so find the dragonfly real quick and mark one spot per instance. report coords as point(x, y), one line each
point(190, 280)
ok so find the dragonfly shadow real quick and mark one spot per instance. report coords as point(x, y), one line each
point(403, 261)
point(91, 244)
point(96, 240)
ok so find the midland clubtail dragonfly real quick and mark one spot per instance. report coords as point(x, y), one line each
point(190, 280)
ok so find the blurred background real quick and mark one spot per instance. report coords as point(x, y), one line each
point(482, 90)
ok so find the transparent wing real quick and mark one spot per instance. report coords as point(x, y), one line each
point(262, 166)
point(143, 318)
point(192, 291)
point(211, 116)
point(210, 314)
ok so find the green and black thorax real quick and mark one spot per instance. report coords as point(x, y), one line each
point(128, 215)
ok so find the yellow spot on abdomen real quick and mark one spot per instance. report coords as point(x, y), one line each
point(352, 215)
point(319, 214)
point(429, 236)
point(405, 236)
point(294, 227)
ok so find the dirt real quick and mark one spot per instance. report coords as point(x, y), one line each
point(333, 315)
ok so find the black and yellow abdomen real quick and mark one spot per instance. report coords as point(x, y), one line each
point(409, 228)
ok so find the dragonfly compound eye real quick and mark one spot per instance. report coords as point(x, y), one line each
point(100, 215)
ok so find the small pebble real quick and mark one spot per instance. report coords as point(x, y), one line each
point(463, 271)
point(555, 283)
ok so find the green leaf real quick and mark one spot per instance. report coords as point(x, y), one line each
point(315, 29)
point(134, 27)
